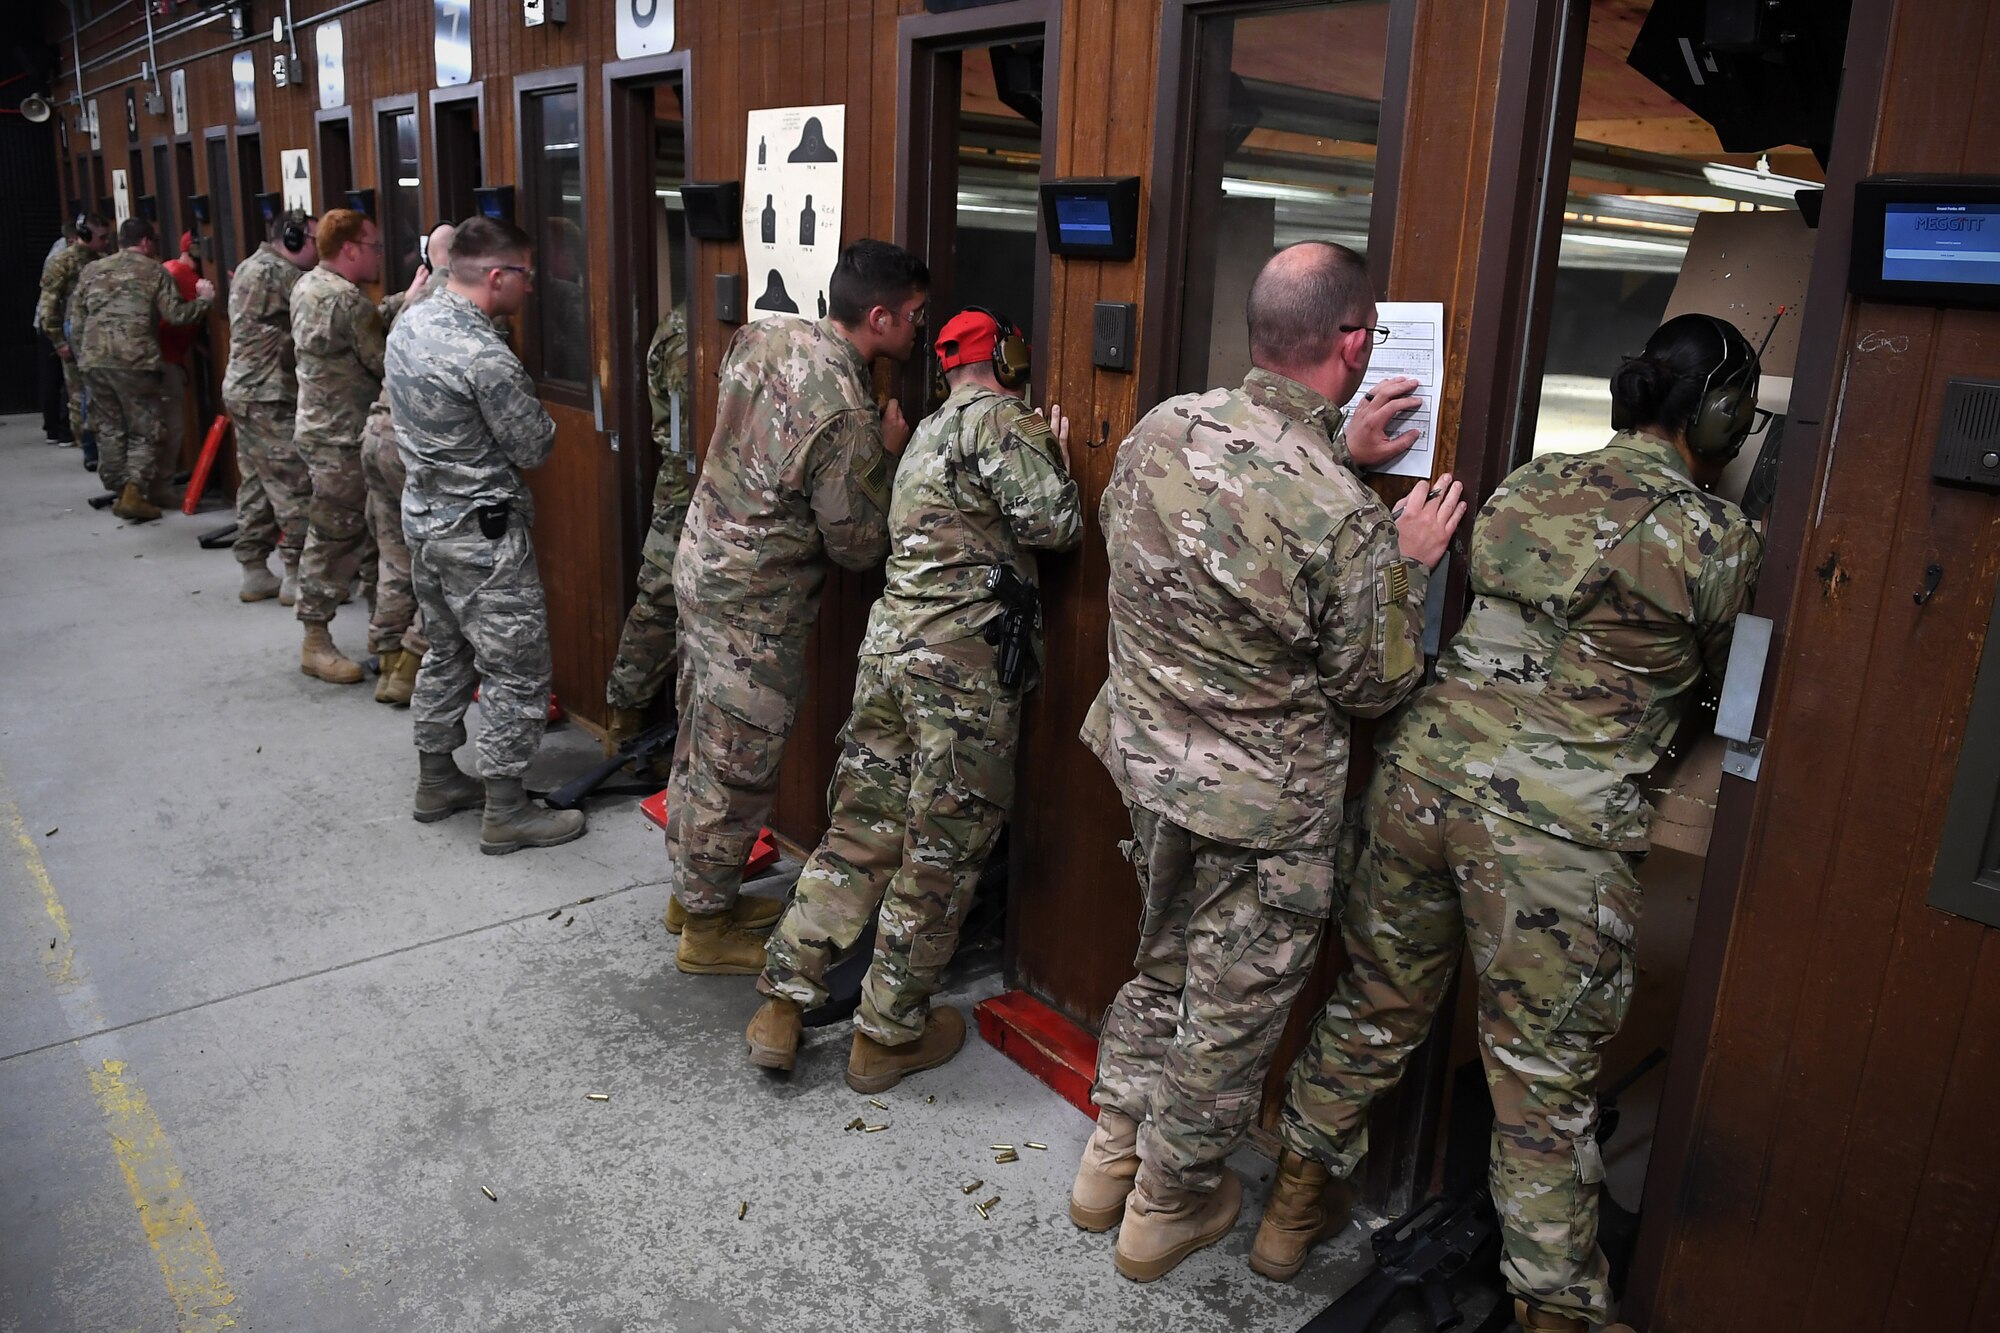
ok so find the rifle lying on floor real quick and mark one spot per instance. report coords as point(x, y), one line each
point(1454, 1238)
point(640, 751)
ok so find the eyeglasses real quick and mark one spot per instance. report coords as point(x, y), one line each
point(918, 317)
point(527, 272)
point(1760, 424)
point(1379, 333)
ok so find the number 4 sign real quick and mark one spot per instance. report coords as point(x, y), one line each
point(645, 27)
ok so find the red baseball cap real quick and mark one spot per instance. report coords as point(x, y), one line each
point(187, 241)
point(966, 339)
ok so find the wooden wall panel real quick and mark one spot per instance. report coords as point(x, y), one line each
point(1840, 1176)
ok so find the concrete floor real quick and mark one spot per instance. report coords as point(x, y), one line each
point(250, 992)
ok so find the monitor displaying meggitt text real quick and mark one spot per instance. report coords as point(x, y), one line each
point(1927, 240)
point(1941, 243)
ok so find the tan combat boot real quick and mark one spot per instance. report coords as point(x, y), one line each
point(1533, 1320)
point(133, 506)
point(386, 672)
point(318, 657)
point(774, 1034)
point(750, 913)
point(512, 821)
point(873, 1067)
point(621, 725)
point(288, 587)
point(1104, 1176)
point(396, 688)
point(1160, 1232)
point(712, 946)
point(443, 788)
point(259, 583)
point(1306, 1205)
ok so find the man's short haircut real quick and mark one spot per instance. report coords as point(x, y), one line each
point(1297, 305)
point(482, 243)
point(337, 228)
point(872, 273)
point(134, 232)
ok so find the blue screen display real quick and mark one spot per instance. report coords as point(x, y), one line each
point(1941, 243)
point(1083, 219)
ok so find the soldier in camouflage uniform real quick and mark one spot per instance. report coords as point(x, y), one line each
point(796, 473)
point(394, 630)
point(339, 335)
point(59, 274)
point(114, 318)
point(646, 648)
point(926, 772)
point(1504, 816)
point(260, 392)
point(1260, 596)
point(468, 421)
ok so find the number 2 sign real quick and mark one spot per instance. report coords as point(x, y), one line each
point(645, 27)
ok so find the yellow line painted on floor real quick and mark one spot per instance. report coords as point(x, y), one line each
point(166, 1210)
point(59, 959)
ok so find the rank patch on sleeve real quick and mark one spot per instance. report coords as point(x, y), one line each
point(1398, 582)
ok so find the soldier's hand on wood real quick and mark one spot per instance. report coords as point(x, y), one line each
point(1059, 427)
point(1427, 518)
point(895, 430)
point(204, 290)
point(1369, 443)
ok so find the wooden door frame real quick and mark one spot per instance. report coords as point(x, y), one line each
point(1824, 334)
point(629, 202)
point(1173, 153)
point(152, 146)
point(437, 99)
point(252, 237)
point(929, 108)
point(321, 119)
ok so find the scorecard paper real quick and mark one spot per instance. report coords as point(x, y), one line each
point(1415, 350)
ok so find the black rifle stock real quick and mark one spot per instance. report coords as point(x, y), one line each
point(638, 751)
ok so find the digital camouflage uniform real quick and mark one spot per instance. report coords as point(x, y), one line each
point(795, 474)
point(394, 626)
point(926, 771)
point(114, 318)
point(59, 275)
point(646, 648)
point(1258, 598)
point(468, 422)
point(1504, 817)
point(260, 391)
point(339, 335)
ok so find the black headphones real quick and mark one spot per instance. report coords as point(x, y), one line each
point(293, 236)
point(1727, 411)
point(84, 231)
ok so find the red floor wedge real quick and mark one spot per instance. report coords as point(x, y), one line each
point(763, 853)
point(1044, 1043)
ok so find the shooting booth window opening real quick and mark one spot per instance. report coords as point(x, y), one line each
point(1285, 118)
point(401, 201)
point(558, 344)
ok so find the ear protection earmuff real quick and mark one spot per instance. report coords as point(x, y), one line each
point(1727, 411)
point(84, 231)
point(1011, 356)
point(293, 237)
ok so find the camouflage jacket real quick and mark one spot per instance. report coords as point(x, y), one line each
point(673, 409)
point(1604, 586)
point(263, 364)
point(980, 484)
point(467, 418)
point(795, 473)
point(115, 312)
point(338, 331)
point(1258, 598)
point(59, 275)
point(392, 308)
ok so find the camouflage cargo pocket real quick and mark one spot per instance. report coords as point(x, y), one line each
point(1301, 882)
point(752, 687)
point(970, 808)
point(1605, 992)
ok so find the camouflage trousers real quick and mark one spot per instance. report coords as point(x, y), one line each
point(488, 622)
point(275, 487)
point(394, 625)
point(73, 389)
point(646, 647)
point(337, 537)
point(739, 694)
point(922, 787)
point(1227, 936)
point(125, 413)
point(1549, 926)
point(173, 430)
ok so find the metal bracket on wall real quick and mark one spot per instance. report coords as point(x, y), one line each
point(1742, 683)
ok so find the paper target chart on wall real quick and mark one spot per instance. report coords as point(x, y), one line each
point(793, 160)
point(296, 166)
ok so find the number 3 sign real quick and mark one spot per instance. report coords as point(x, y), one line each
point(645, 27)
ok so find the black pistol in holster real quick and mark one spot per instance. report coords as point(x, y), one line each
point(493, 521)
point(1020, 617)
